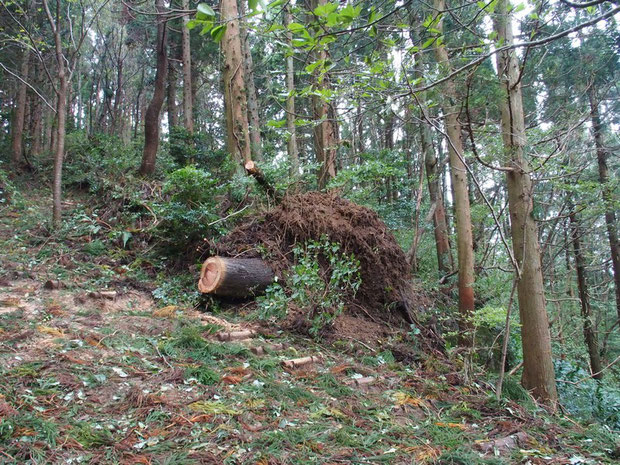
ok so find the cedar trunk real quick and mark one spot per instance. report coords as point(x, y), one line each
point(20, 112)
point(188, 102)
point(234, 277)
point(248, 63)
point(151, 118)
point(458, 174)
point(538, 372)
point(324, 115)
point(607, 190)
point(173, 115)
point(293, 151)
point(589, 331)
point(235, 99)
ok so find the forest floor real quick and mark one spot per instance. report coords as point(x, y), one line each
point(91, 377)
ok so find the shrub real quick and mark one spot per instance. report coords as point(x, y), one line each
point(188, 212)
point(318, 284)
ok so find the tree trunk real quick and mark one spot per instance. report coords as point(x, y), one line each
point(589, 331)
point(151, 119)
point(607, 190)
point(248, 63)
point(234, 277)
point(17, 149)
point(458, 173)
point(293, 151)
point(235, 99)
point(325, 126)
point(117, 114)
point(442, 242)
point(188, 101)
point(171, 98)
point(538, 372)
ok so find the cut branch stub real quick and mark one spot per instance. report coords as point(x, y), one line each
point(234, 277)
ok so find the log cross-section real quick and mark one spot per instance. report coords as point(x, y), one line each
point(234, 277)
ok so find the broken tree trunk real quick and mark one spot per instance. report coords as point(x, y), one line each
point(234, 277)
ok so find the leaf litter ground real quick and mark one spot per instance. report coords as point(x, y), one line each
point(130, 381)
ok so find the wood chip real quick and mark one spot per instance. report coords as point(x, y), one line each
point(53, 285)
point(503, 444)
point(362, 381)
point(235, 335)
point(300, 362)
point(110, 295)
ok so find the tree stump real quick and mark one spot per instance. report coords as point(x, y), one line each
point(234, 277)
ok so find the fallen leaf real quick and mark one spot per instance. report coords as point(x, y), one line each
point(460, 426)
point(166, 312)
point(9, 302)
point(51, 331)
point(402, 398)
point(231, 379)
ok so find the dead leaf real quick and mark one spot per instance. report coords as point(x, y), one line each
point(232, 379)
point(50, 331)
point(402, 398)
point(11, 302)
point(165, 312)
point(460, 426)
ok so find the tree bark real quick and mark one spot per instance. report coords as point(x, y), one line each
point(589, 331)
point(538, 372)
point(248, 64)
point(62, 96)
point(188, 101)
point(607, 190)
point(324, 115)
point(151, 119)
point(234, 277)
point(293, 151)
point(458, 173)
point(171, 98)
point(17, 149)
point(235, 98)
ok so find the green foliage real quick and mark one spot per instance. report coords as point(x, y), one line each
point(188, 213)
point(7, 189)
point(586, 398)
point(488, 324)
point(317, 284)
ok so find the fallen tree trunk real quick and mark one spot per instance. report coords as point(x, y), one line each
point(234, 277)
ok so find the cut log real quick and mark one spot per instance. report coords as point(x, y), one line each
point(234, 277)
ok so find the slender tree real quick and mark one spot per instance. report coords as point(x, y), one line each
point(151, 118)
point(20, 112)
point(538, 372)
point(188, 103)
point(235, 100)
point(459, 178)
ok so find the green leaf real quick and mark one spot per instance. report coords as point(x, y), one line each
point(204, 12)
point(296, 28)
point(218, 32)
point(206, 28)
point(191, 24)
point(324, 10)
point(253, 4)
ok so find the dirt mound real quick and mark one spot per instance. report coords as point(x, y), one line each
point(386, 280)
